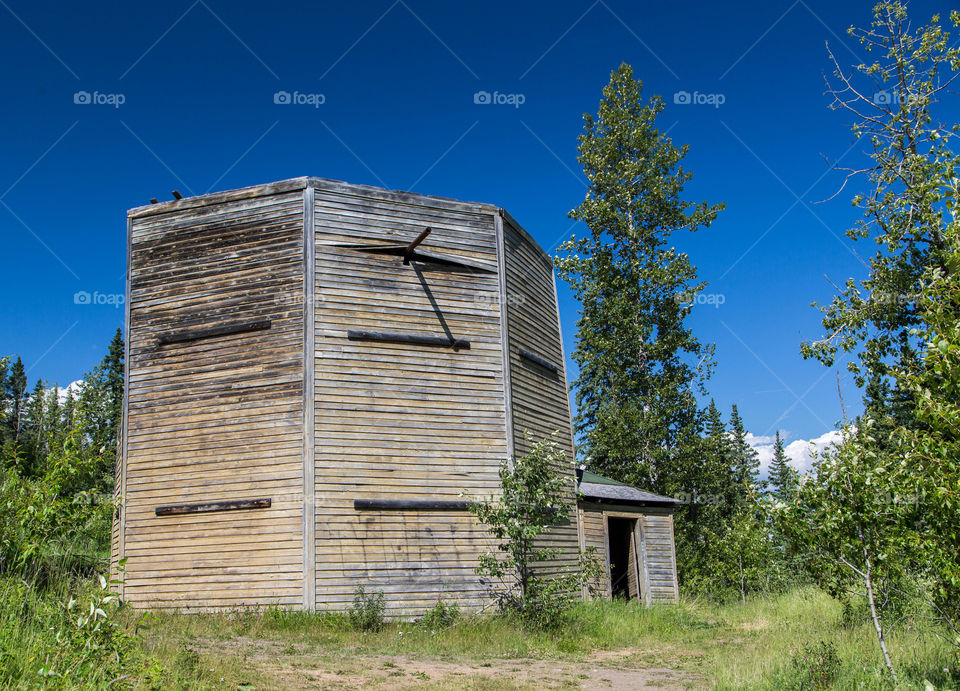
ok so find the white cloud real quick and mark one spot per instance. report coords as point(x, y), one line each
point(73, 387)
point(800, 451)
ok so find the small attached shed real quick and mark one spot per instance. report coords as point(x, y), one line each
point(633, 531)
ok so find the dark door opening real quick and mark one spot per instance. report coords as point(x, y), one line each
point(622, 569)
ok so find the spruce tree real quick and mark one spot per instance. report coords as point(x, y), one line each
point(704, 489)
point(718, 464)
point(113, 373)
point(745, 467)
point(54, 430)
point(4, 393)
point(639, 363)
point(783, 477)
point(16, 389)
point(67, 414)
point(34, 427)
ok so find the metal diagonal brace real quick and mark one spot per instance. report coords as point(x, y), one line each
point(408, 251)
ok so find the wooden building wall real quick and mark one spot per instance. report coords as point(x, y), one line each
point(219, 418)
point(539, 400)
point(229, 417)
point(402, 421)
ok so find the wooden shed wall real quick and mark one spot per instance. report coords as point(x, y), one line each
point(397, 421)
point(218, 418)
point(538, 397)
point(656, 544)
point(594, 531)
point(660, 557)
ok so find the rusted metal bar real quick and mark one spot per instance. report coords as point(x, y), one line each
point(408, 251)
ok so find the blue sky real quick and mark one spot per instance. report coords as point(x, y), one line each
point(182, 96)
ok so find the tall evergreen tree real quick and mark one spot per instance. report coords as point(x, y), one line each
point(113, 374)
point(783, 477)
point(4, 393)
point(704, 487)
point(99, 406)
point(639, 363)
point(16, 388)
point(67, 413)
point(34, 428)
point(54, 431)
point(745, 467)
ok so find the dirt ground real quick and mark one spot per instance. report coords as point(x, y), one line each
point(289, 666)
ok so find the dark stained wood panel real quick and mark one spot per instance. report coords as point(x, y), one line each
point(219, 416)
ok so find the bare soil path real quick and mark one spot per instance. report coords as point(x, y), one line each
point(297, 666)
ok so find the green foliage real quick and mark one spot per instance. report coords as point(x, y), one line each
point(56, 506)
point(783, 477)
point(930, 469)
point(639, 365)
point(726, 546)
point(367, 611)
point(63, 515)
point(535, 496)
point(746, 462)
point(912, 163)
point(63, 634)
point(815, 666)
point(56, 479)
point(854, 530)
point(441, 616)
point(745, 556)
point(881, 512)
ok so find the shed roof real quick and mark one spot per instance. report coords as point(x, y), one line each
point(594, 487)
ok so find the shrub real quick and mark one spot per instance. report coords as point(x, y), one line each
point(534, 498)
point(815, 666)
point(63, 634)
point(441, 616)
point(367, 611)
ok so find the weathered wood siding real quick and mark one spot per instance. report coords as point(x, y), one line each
point(230, 417)
point(403, 421)
point(539, 399)
point(654, 541)
point(594, 530)
point(660, 561)
point(218, 418)
point(633, 572)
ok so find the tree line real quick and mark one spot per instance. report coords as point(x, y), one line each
point(58, 452)
point(877, 520)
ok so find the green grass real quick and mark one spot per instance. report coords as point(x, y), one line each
point(732, 646)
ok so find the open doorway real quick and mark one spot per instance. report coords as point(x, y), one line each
point(623, 567)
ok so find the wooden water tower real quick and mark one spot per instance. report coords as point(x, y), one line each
point(315, 371)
